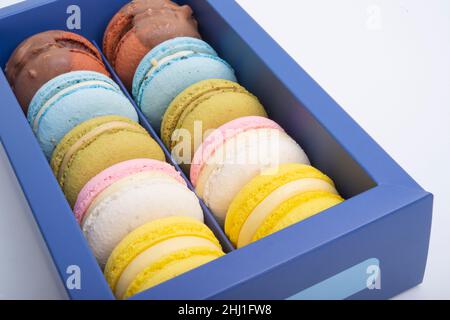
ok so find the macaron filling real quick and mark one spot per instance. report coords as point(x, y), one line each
point(158, 63)
point(275, 199)
point(113, 125)
point(296, 209)
point(156, 253)
point(171, 266)
point(67, 91)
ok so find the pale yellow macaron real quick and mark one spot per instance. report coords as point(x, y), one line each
point(159, 251)
point(202, 108)
point(277, 199)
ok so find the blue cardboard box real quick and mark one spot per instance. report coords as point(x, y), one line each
point(373, 246)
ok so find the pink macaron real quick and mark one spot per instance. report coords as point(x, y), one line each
point(234, 154)
point(219, 136)
point(113, 174)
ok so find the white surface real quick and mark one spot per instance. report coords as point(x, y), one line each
point(26, 269)
point(5, 3)
point(387, 62)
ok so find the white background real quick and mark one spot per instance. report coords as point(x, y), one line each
point(387, 62)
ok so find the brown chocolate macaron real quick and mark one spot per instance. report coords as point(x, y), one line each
point(47, 55)
point(139, 27)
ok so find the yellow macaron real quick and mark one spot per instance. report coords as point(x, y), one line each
point(277, 199)
point(159, 251)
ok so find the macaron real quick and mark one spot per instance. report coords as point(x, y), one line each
point(70, 99)
point(170, 68)
point(203, 107)
point(140, 26)
point(96, 145)
point(159, 251)
point(274, 200)
point(47, 55)
point(234, 154)
point(128, 195)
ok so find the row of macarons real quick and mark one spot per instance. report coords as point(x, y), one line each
point(115, 175)
point(175, 93)
point(142, 222)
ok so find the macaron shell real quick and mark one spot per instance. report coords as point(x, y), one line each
point(137, 180)
point(115, 173)
point(131, 205)
point(171, 267)
point(219, 136)
point(114, 31)
point(100, 152)
point(212, 103)
point(75, 62)
point(91, 98)
point(275, 199)
point(296, 210)
point(47, 55)
point(128, 57)
point(61, 82)
point(169, 80)
point(165, 49)
point(259, 188)
point(140, 26)
point(148, 235)
point(156, 253)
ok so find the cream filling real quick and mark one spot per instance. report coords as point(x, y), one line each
point(91, 134)
point(135, 179)
point(274, 200)
point(155, 253)
point(50, 101)
point(157, 63)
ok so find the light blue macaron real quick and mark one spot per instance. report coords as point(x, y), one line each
point(70, 99)
point(169, 69)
